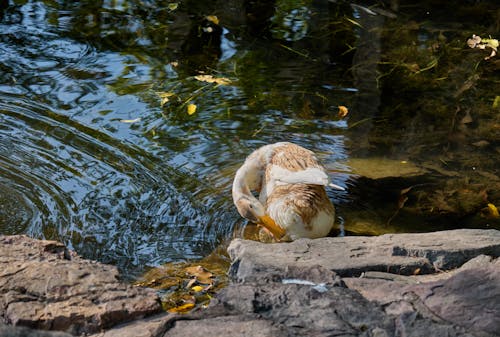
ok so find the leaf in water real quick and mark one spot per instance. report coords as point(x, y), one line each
point(496, 102)
point(478, 42)
point(343, 111)
point(173, 6)
point(211, 79)
point(202, 275)
point(191, 109)
point(164, 96)
point(130, 120)
point(493, 211)
point(181, 309)
point(213, 18)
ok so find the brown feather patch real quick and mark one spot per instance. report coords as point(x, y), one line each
point(306, 200)
point(293, 158)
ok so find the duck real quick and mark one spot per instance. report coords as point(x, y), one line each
point(292, 201)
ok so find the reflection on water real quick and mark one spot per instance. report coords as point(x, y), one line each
point(93, 155)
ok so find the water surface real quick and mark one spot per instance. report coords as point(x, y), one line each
point(93, 155)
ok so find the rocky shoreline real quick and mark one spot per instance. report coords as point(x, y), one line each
point(434, 284)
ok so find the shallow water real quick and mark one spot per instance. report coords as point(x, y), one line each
point(92, 154)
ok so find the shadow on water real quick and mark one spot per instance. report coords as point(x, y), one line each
point(97, 148)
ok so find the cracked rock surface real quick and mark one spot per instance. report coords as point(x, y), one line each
point(434, 284)
point(43, 285)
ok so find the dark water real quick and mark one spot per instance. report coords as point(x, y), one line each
point(92, 154)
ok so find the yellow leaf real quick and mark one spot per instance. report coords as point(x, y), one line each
point(493, 211)
point(197, 289)
point(496, 102)
point(181, 309)
point(173, 6)
point(130, 120)
point(191, 109)
point(213, 18)
point(211, 79)
point(164, 97)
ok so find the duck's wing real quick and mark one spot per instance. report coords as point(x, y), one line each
point(311, 176)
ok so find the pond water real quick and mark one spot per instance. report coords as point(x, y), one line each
point(98, 150)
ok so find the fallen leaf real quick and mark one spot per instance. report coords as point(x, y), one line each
point(493, 211)
point(164, 96)
point(191, 109)
point(343, 111)
point(173, 6)
point(181, 309)
point(202, 275)
point(478, 42)
point(416, 271)
point(213, 18)
point(130, 120)
point(467, 118)
point(197, 289)
point(496, 102)
point(211, 79)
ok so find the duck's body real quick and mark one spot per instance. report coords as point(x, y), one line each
point(291, 182)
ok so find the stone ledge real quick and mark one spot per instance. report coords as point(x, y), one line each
point(433, 284)
point(43, 285)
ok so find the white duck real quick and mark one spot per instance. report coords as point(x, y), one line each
point(293, 202)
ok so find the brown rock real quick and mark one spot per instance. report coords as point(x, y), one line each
point(43, 285)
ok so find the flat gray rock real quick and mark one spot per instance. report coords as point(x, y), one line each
point(404, 254)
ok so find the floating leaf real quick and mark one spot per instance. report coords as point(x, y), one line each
point(164, 96)
point(181, 309)
point(496, 102)
point(130, 120)
point(213, 18)
point(211, 79)
point(478, 42)
point(343, 111)
point(202, 275)
point(191, 109)
point(493, 211)
point(173, 6)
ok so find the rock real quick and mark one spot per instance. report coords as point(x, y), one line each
point(10, 331)
point(45, 286)
point(434, 284)
point(404, 254)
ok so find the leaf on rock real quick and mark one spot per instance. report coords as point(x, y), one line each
point(197, 289)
